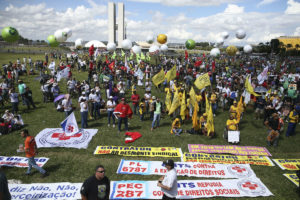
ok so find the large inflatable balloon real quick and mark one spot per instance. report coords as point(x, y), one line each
point(162, 38)
point(79, 43)
point(231, 50)
point(68, 32)
point(126, 44)
point(111, 47)
point(240, 34)
point(60, 36)
point(10, 34)
point(164, 48)
point(136, 49)
point(150, 39)
point(52, 41)
point(154, 49)
point(220, 42)
point(215, 52)
point(247, 48)
point(190, 44)
point(225, 35)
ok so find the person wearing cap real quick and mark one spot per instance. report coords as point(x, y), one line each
point(110, 110)
point(124, 111)
point(293, 120)
point(84, 108)
point(168, 182)
point(176, 124)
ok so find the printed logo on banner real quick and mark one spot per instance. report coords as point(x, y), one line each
point(251, 187)
point(56, 137)
point(239, 170)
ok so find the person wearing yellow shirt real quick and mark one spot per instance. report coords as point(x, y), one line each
point(176, 124)
point(142, 109)
point(232, 124)
point(293, 120)
point(233, 110)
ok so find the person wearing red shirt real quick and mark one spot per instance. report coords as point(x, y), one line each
point(123, 111)
point(135, 98)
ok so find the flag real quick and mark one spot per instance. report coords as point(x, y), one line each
point(186, 55)
point(210, 122)
point(192, 96)
point(202, 81)
point(198, 63)
point(148, 58)
point(122, 53)
point(263, 76)
point(143, 56)
point(159, 77)
point(52, 66)
point(97, 53)
point(171, 74)
point(183, 106)
point(168, 101)
point(106, 60)
point(240, 109)
point(213, 66)
point(63, 73)
point(131, 56)
point(138, 58)
point(207, 104)
point(114, 55)
point(69, 125)
point(195, 116)
point(126, 65)
point(249, 87)
point(111, 66)
point(175, 103)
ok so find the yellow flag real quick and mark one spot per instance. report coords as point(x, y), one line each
point(249, 87)
point(175, 103)
point(183, 107)
point(192, 96)
point(202, 81)
point(158, 78)
point(171, 74)
point(195, 116)
point(168, 100)
point(210, 122)
point(240, 109)
point(207, 104)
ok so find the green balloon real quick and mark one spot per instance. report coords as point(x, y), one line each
point(52, 41)
point(190, 44)
point(10, 34)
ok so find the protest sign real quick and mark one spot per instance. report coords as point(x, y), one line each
point(227, 159)
point(139, 151)
point(190, 189)
point(55, 137)
point(288, 164)
point(16, 161)
point(231, 149)
point(186, 169)
point(45, 191)
point(293, 177)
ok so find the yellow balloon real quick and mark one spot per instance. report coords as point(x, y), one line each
point(162, 38)
point(231, 50)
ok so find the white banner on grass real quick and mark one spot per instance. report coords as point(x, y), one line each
point(45, 191)
point(55, 137)
point(190, 189)
point(16, 161)
point(187, 169)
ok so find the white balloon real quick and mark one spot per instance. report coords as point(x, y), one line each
point(225, 35)
point(68, 32)
point(79, 43)
point(164, 47)
point(153, 48)
point(215, 52)
point(126, 44)
point(111, 47)
point(136, 49)
point(240, 34)
point(150, 39)
point(60, 36)
point(220, 42)
point(247, 48)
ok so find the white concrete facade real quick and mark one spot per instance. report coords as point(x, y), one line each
point(121, 29)
point(112, 26)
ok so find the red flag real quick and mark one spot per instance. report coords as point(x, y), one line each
point(111, 66)
point(213, 66)
point(106, 60)
point(198, 63)
point(91, 50)
point(186, 55)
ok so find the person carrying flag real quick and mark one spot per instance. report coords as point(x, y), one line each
point(123, 111)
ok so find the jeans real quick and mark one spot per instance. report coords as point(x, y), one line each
point(111, 115)
point(214, 107)
point(32, 163)
point(291, 129)
point(96, 109)
point(135, 108)
point(125, 119)
point(156, 119)
point(15, 107)
point(84, 118)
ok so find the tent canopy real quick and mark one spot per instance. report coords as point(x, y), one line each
point(96, 43)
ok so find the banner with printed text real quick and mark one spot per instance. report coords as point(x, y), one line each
point(139, 151)
point(293, 177)
point(205, 170)
point(227, 159)
point(190, 189)
point(45, 191)
point(55, 137)
point(231, 149)
point(288, 164)
point(16, 161)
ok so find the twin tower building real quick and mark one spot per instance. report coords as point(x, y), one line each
point(116, 23)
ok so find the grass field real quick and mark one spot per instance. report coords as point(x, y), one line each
point(74, 165)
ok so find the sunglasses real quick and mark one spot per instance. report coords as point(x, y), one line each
point(101, 171)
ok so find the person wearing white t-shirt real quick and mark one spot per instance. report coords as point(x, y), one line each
point(67, 105)
point(168, 182)
point(110, 110)
point(84, 112)
point(14, 99)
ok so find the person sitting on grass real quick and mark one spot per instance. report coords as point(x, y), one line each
point(231, 125)
point(176, 124)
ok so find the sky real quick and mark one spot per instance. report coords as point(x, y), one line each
point(200, 20)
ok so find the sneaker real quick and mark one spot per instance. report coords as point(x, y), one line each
point(44, 175)
point(214, 115)
point(108, 125)
point(114, 126)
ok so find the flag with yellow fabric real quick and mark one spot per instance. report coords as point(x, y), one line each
point(114, 55)
point(210, 122)
point(192, 96)
point(122, 53)
point(171, 74)
point(202, 81)
point(195, 116)
point(168, 100)
point(158, 78)
point(249, 87)
point(175, 103)
point(240, 109)
point(183, 106)
point(143, 56)
point(207, 104)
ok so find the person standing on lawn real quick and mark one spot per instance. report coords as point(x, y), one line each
point(123, 111)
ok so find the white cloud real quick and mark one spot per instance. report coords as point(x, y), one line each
point(189, 2)
point(297, 31)
point(265, 2)
point(293, 7)
point(231, 8)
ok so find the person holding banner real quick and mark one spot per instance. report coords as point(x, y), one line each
point(168, 182)
point(123, 111)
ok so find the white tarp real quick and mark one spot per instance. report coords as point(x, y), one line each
point(55, 137)
point(16, 161)
point(205, 170)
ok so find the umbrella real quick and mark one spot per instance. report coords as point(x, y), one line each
point(260, 89)
point(59, 97)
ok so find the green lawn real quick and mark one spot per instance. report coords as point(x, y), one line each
point(74, 165)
